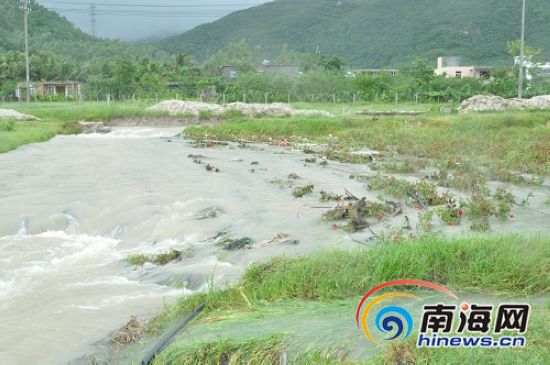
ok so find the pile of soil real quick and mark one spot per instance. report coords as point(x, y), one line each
point(12, 114)
point(481, 103)
point(177, 107)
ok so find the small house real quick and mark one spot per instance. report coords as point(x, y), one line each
point(67, 89)
point(450, 67)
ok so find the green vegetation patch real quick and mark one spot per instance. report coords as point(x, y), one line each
point(218, 339)
point(511, 264)
point(14, 134)
point(262, 350)
point(486, 143)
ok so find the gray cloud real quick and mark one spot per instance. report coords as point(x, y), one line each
point(140, 19)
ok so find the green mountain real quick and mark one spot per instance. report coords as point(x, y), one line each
point(376, 33)
point(52, 33)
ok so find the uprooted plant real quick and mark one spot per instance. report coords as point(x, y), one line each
point(356, 213)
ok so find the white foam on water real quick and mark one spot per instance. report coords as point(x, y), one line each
point(44, 256)
point(134, 133)
point(109, 280)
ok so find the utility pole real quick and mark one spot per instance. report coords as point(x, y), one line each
point(26, 7)
point(92, 19)
point(522, 53)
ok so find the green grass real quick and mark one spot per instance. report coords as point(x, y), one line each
point(339, 109)
point(269, 348)
point(264, 350)
point(517, 140)
point(513, 265)
point(93, 111)
point(21, 133)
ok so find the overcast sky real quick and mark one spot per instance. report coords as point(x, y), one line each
point(141, 19)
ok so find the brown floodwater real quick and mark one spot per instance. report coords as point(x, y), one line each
point(74, 208)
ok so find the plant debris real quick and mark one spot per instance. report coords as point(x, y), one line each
point(422, 193)
point(211, 168)
point(131, 332)
point(161, 259)
point(301, 191)
point(357, 213)
point(279, 239)
point(234, 245)
point(326, 197)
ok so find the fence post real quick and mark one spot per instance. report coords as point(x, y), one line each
point(396, 98)
point(265, 98)
point(288, 97)
point(244, 98)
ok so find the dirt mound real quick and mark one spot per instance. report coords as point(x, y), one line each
point(539, 102)
point(177, 107)
point(12, 114)
point(481, 103)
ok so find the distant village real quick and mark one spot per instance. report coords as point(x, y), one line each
point(449, 67)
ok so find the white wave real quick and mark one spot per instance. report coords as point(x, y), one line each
point(134, 133)
point(111, 280)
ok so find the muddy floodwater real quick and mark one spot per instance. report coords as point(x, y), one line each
point(73, 209)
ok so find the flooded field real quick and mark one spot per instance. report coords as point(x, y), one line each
point(75, 208)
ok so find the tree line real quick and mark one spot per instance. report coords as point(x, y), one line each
point(324, 79)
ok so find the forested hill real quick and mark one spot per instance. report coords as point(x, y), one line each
point(49, 32)
point(376, 33)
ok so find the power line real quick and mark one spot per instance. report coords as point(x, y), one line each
point(145, 13)
point(159, 5)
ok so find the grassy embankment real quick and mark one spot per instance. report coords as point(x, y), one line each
point(507, 265)
point(499, 144)
point(60, 118)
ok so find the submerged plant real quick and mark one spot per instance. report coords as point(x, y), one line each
point(326, 197)
point(301, 191)
point(452, 215)
point(423, 192)
point(161, 259)
point(425, 220)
